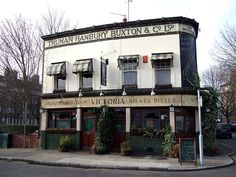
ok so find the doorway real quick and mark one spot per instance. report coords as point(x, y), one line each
point(88, 129)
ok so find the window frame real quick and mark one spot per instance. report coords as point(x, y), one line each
point(186, 113)
point(143, 120)
point(56, 82)
point(129, 66)
point(165, 66)
point(82, 76)
point(52, 122)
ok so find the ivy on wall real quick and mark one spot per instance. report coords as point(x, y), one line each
point(209, 115)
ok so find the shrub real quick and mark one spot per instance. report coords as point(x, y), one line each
point(64, 143)
point(100, 148)
point(153, 133)
point(104, 131)
point(126, 145)
point(174, 151)
point(169, 141)
point(18, 129)
point(126, 148)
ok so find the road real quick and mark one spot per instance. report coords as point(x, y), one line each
point(21, 169)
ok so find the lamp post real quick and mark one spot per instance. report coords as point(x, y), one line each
point(199, 98)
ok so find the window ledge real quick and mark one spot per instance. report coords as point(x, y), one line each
point(86, 89)
point(130, 87)
point(60, 130)
point(59, 91)
point(163, 86)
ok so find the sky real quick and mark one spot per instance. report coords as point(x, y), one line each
point(212, 15)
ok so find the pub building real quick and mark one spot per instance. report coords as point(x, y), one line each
point(143, 69)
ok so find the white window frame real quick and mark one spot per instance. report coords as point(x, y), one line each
point(133, 68)
point(165, 66)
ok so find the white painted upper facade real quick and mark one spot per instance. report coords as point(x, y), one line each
point(109, 48)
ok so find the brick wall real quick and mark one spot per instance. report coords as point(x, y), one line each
point(31, 141)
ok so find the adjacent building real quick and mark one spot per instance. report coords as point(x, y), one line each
point(143, 69)
point(11, 105)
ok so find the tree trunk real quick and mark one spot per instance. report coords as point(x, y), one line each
point(25, 117)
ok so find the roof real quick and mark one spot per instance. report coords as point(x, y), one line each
point(163, 20)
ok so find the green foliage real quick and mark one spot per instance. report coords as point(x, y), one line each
point(64, 143)
point(18, 129)
point(104, 130)
point(196, 80)
point(101, 148)
point(153, 133)
point(209, 114)
point(127, 145)
point(169, 141)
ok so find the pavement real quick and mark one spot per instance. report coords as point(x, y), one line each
point(84, 159)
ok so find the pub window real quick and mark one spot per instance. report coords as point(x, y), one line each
point(62, 119)
point(162, 63)
point(162, 72)
point(154, 118)
point(86, 80)
point(85, 70)
point(58, 71)
point(184, 121)
point(60, 82)
point(119, 120)
point(104, 63)
point(128, 64)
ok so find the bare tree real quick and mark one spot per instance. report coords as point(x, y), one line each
point(227, 102)
point(223, 82)
point(20, 52)
point(19, 47)
point(224, 51)
point(54, 21)
point(214, 77)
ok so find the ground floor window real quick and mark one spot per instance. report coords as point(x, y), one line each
point(184, 121)
point(119, 120)
point(62, 119)
point(155, 118)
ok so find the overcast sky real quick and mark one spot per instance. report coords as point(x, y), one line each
point(210, 14)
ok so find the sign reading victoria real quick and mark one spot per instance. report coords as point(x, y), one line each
point(121, 101)
point(120, 33)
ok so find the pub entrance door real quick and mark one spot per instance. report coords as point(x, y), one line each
point(88, 129)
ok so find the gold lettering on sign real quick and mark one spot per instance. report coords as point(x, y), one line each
point(120, 33)
point(127, 101)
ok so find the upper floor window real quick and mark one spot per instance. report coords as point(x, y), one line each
point(85, 69)
point(60, 82)
point(129, 65)
point(162, 63)
point(58, 70)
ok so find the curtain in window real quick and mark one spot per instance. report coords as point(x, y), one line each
point(163, 76)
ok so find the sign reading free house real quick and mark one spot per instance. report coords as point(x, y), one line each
point(122, 101)
point(120, 33)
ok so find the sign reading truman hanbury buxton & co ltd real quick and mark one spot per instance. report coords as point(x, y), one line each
point(120, 33)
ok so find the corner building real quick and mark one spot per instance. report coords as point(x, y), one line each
point(143, 69)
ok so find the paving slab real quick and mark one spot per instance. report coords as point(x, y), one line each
point(109, 161)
